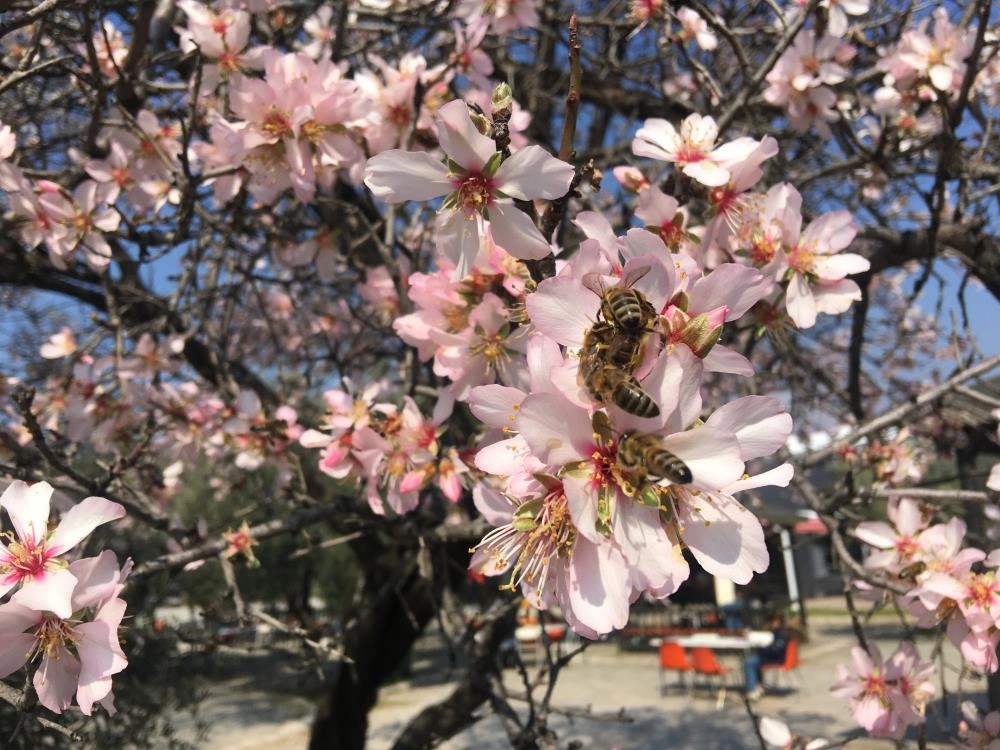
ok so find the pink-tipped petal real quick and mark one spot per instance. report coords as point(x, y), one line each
point(80, 520)
point(28, 508)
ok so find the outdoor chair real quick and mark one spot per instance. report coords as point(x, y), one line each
point(673, 659)
point(789, 667)
point(704, 662)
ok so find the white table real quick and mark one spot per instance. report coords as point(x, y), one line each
point(718, 642)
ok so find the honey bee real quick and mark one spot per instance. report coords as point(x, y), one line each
point(605, 344)
point(613, 346)
point(645, 458)
point(622, 305)
point(609, 383)
point(913, 571)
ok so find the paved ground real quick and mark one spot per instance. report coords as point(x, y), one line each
point(609, 699)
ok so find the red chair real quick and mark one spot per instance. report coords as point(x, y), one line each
point(704, 662)
point(789, 667)
point(673, 659)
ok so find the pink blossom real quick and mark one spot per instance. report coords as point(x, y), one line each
point(30, 557)
point(900, 545)
point(77, 656)
point(504, 16)
point(320, 27)
point(692, 148)
point(939, 58)
point(978, 732)
point(469, 60)
point(886, 697)
point(478, 187)
point(777, 734)
point(693, 26)
point(801, 79)
point(219, 36)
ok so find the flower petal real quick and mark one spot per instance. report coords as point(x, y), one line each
point(28, 508)
point(460, 139)
point(516, 233)
point(50, 590)
point(534, 173)
point(80, 520)
point(761, 424)
point(557, 432)
point(396, 176)
point(726, 539)
point(56, 680)
point(563, 310)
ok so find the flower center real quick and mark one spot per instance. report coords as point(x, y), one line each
point(26, 557)
point(906, 547)
point(475, 192)
point(980, 592)
point(276, 123)
point(875, 687)
point(672, 232)
point(53, 634)
point(762, 249)
point(802, 258)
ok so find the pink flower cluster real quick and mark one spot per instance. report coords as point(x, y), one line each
point(887, 696)
point(802, 80)
point(897, 462)
point(107, 402)
point(45, 213)
point(63, 617)
point(396, 451)
point(806, 267)
point(580, 524)
point(923, 67)
point(948, 582)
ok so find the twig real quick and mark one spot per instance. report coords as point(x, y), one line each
point(261, 531)
point(30, 17)
point(918, 493)
point(573, 95)
point(301, 634)
point(15, 78)
point(750, 87)
point(15, 698)
point(859, 631)
point(754, 720)
point(325, 544)
point(23, 398)
point(896, 415)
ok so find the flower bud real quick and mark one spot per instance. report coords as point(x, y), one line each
point(502, 99)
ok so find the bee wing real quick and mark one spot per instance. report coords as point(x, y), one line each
point(595, 283)
point(634, 275)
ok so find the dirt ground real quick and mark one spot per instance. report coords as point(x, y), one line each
point(607, 699)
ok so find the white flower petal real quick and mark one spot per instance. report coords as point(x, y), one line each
point(534, 173)
point(460, 139)
point(516, 233)
point(396, 176)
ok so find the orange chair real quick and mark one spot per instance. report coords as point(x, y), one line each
point(704, 662)
point(789, 667)
point(673, 659)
